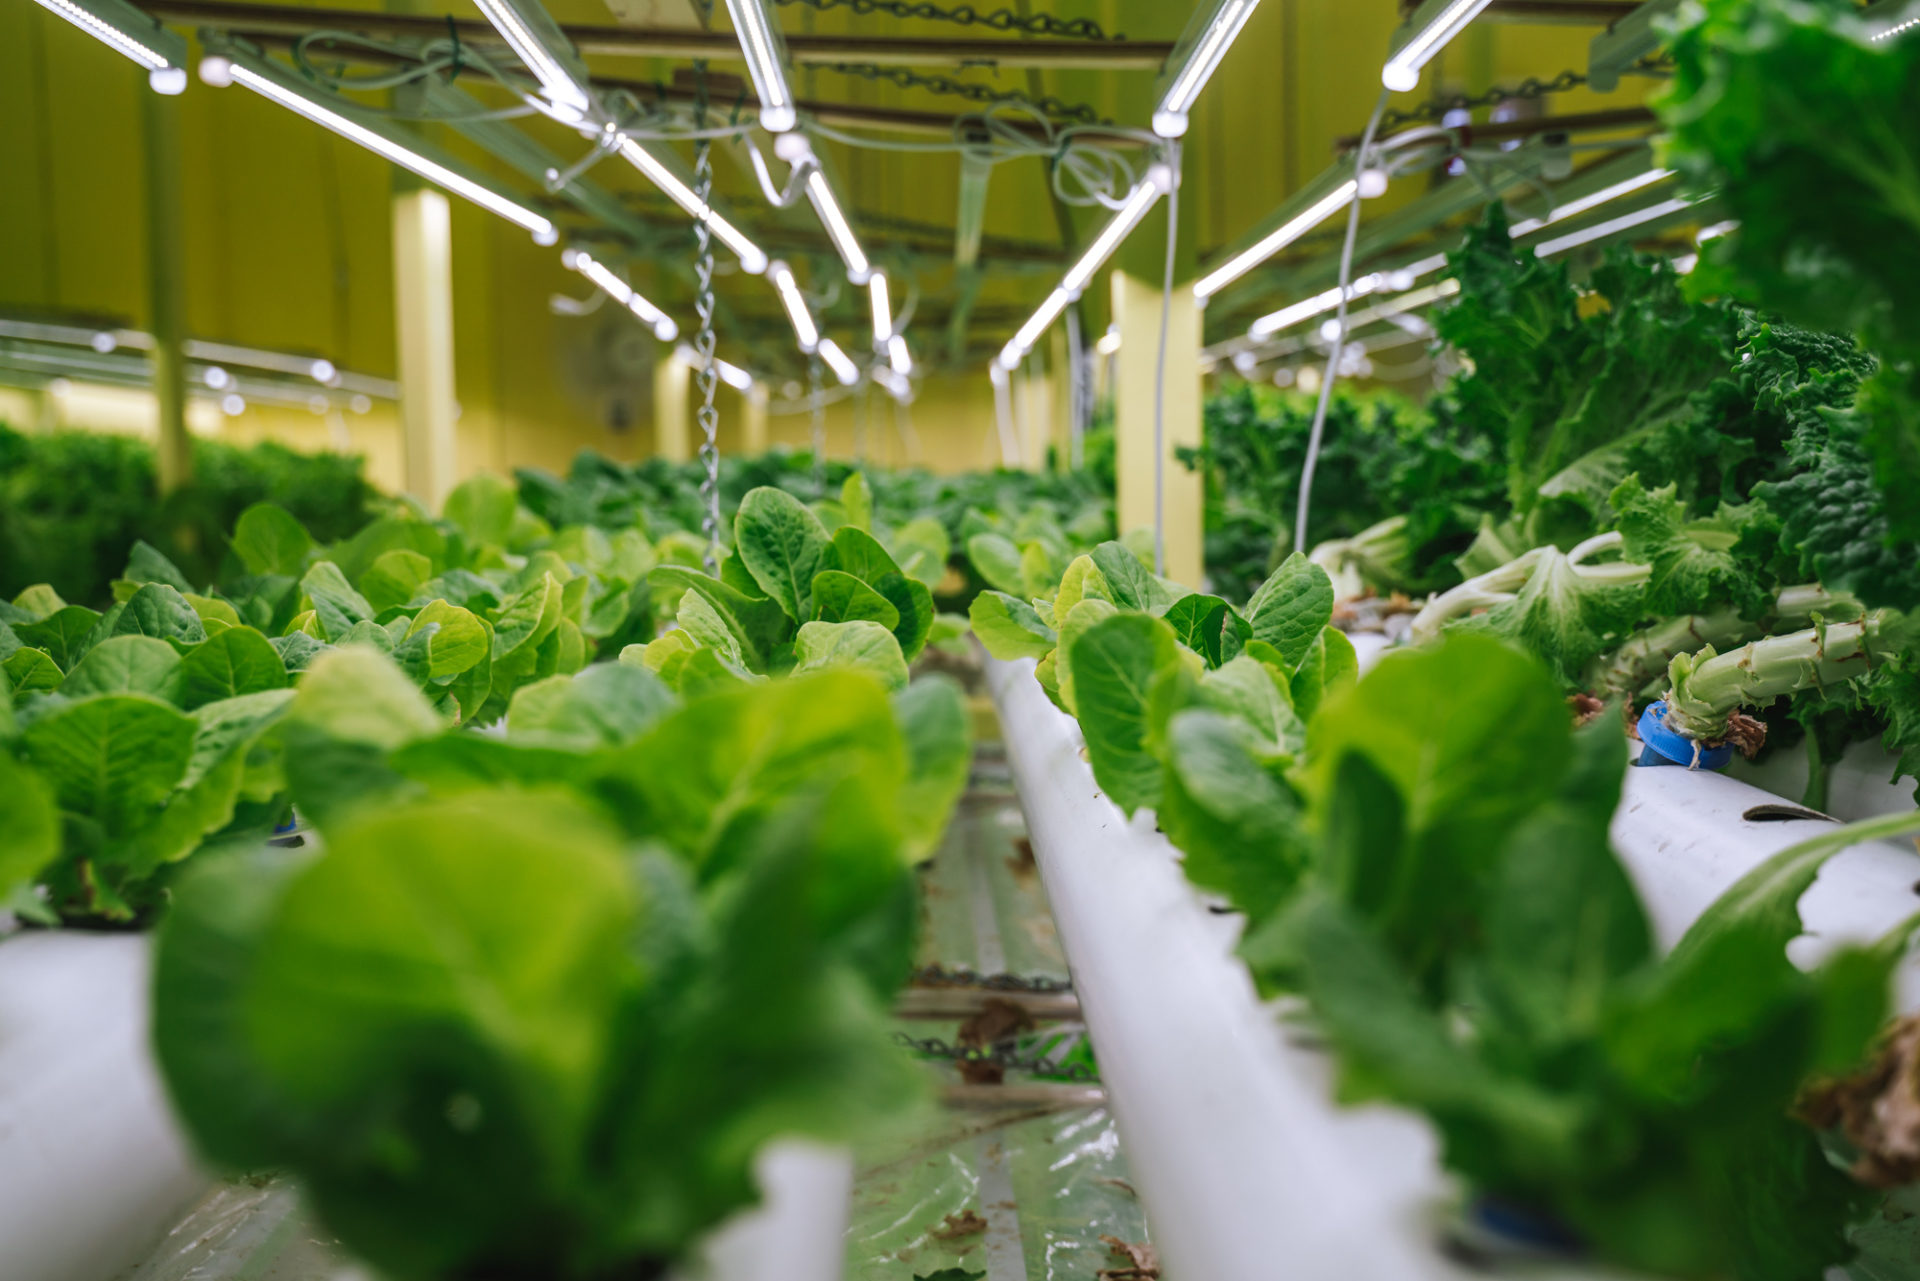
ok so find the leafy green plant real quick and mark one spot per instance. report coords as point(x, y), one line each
point(542, 997)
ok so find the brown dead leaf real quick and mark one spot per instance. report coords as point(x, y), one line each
point(1747, 734)
point(1586, 708)
point(1020, 862)
point(981, 1072)
point(1878, 1109)
point(1142, 1261)
point(997, 1020)
point(964, 1224)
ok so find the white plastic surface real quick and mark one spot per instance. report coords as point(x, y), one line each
point(1858, 787)
point(92, 1169)
point(798, 1232)
point(1684, 839)
point(1246, 1168)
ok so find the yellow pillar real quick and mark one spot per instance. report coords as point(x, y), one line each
point(166, 281)
point(1061, 438)
point(423, 310)
point(1035, 391)
point(1136, 308)
point(753, 436)
point(672, 432)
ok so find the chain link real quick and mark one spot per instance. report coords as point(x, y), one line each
point(704, 343)
point(1532, 87)
point(818, 406)
point(1046, 105)
point(1003, 1054)
point(1036, 24)
point(942, 976)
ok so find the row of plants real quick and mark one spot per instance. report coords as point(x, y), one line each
point(74, 503)
point(589, 917)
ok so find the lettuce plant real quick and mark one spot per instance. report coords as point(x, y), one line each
point(539, 998)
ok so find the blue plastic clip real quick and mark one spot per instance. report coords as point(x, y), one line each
point(1663, 745)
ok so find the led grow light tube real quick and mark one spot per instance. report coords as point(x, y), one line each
point(544, 232)
point(1601, 230)
point(621, 292)
point(1217, 31)
point(820, 192)
point(1897, 28)
point(133, 33)
point(898, 356)
point(766, 55)
point(882, 308)
point(1159, 180)
point(1282, 236)
point(1109, 342)
point(557, 83)
point(842, 364)
point(796, 304)
point(732, 375)
point(753, 260)
point(1431, 26)
point(1574, 208)
point(1327, 300)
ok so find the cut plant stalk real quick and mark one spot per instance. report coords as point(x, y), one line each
point(1708, 687)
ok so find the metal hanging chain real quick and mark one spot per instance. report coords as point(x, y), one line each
point(704, 342)
point(818, 407)
point(1046, 105)
point(942, 976)
point(1532, 87)
point(1001, 1054)
point(1035, 24)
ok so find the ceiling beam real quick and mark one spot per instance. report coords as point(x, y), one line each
point(1565, 13)
point(683, 43)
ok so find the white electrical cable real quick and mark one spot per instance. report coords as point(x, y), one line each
point(1160, 366)
point(1333, 357)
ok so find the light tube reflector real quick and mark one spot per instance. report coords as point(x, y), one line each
point(556, 82)
point(898, 356)
point(1587, 235)
point(1574, 208)
point(1229, 16)
point(766, 63)
point(544, 232)
point(1294, 228)
point(796, 304)
point(820, 192)
point(732, 375)
point(753, 260)
point(882, 308)
point(142, 48)
point(1402, 72)
point(842, 364)
point(621, 292)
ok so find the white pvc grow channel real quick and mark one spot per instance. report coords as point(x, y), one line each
point(1246, 1167)
point(94, 1171)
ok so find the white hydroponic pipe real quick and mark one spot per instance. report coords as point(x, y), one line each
point(1687, 835)
point(1247, 1169)
point(92, 1169)
point(1858, 786)
point(799, 1230)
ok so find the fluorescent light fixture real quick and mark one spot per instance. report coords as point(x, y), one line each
point(796, 304)
point(621, 292)
point(1158, 181)
point(732, 375)
point(263, 78)
point(842, 364)
point(898, 356)
point(1203, 44)
point(882, 308)
point(132, 32)
point(1109, 342)
point(1574, 208)
point(753, 260)
point(1601, 230)
point(557, 83)
point(1328, 300)
point(1272, 243)
point(820, 192)
point(766, 54)
point(1425, 33)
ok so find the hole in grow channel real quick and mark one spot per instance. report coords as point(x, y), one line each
point(1781, 813)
